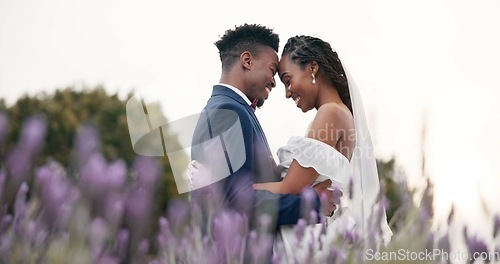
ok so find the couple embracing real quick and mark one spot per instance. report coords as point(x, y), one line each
point(334, 156)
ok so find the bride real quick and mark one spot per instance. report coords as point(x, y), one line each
point(336, 146)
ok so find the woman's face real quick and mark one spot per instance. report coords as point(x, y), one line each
point(298, 84)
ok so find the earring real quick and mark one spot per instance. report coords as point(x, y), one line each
point(314, 78)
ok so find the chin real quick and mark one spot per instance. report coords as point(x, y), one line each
point(260, 102)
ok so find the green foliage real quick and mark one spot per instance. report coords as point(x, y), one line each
point(65, 111)
point(395, 190)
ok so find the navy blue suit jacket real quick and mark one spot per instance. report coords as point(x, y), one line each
point(226, 110)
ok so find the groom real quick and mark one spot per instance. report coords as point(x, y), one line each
point(230, 141)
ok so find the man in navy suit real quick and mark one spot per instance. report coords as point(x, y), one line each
point(229, 140)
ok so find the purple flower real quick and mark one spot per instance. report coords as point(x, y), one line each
point(309, 195)
point(177, 213)
point(20, 158)
point(99, 179)
point(138, 214)
point(143, 247)
point(496, 225)
point(20, 207)
point(313, 217)
point(2, 182)
point(352, 237)
point(261, 250)
point(57, 196)
point(164, 236)
point(444, 243)
point(87, 142)
point(5, 223)
point(33, 133)
point(147, 171)
point(475, 245)
point(114, 208)
point(337, 255)
point(93, 177)
point(300, 228)
point(115, 175)
point(97, 236)
point(122, 240)
point(229, 230)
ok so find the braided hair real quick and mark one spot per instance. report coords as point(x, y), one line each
point(304, 49)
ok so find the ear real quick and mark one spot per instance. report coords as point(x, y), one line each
point(314, 67)
point(246, 60)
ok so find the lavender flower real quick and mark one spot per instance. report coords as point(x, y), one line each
point(147, 171)
point(475, 245)
point(57, 197)
point(97, 237)
point(20, 208)
point(19, 160)
point(87, 142)
point(496, 225)
point(444, 244)
point(178, 213)
point(164, 236)
point(33, 134)
point(114, 209)
point(229, 230)
point(5, 223)
point(122, 240)
point(300, 229)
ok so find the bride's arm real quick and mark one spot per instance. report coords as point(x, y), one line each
point(291, 184)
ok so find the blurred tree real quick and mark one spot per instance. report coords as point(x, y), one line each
point(399, 196)
point(66, 110)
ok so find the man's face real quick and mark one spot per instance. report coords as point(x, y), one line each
point(261, 80)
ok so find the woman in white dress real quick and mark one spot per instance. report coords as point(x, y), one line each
point(337, 144)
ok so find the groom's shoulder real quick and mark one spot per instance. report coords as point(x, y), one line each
point(227, 105)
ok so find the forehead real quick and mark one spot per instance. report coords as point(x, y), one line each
point(269, 55)
point(286, 64)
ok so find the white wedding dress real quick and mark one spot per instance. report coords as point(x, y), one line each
point(362, 214)
point(330, 164)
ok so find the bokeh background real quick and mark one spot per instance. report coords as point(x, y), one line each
point(427, 72)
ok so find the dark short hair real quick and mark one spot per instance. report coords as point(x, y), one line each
point(248, 37)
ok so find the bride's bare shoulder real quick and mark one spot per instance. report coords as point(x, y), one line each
point(333, 112)
point(330, 123)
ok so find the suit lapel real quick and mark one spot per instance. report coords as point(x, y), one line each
point(221, 90)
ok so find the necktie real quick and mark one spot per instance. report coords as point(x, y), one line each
point(253, 105)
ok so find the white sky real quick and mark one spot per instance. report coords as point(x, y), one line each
point(435, 57)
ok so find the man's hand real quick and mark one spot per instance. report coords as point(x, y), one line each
point(329, 197)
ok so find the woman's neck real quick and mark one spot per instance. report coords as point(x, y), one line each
point(327, 94)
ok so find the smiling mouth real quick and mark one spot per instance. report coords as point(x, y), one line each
point(297, 100)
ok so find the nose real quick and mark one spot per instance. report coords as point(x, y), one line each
point(288, 94)
point(273, 82)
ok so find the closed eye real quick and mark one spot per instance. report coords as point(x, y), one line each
point(273, 71)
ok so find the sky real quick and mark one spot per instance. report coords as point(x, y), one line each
point(420, 66)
